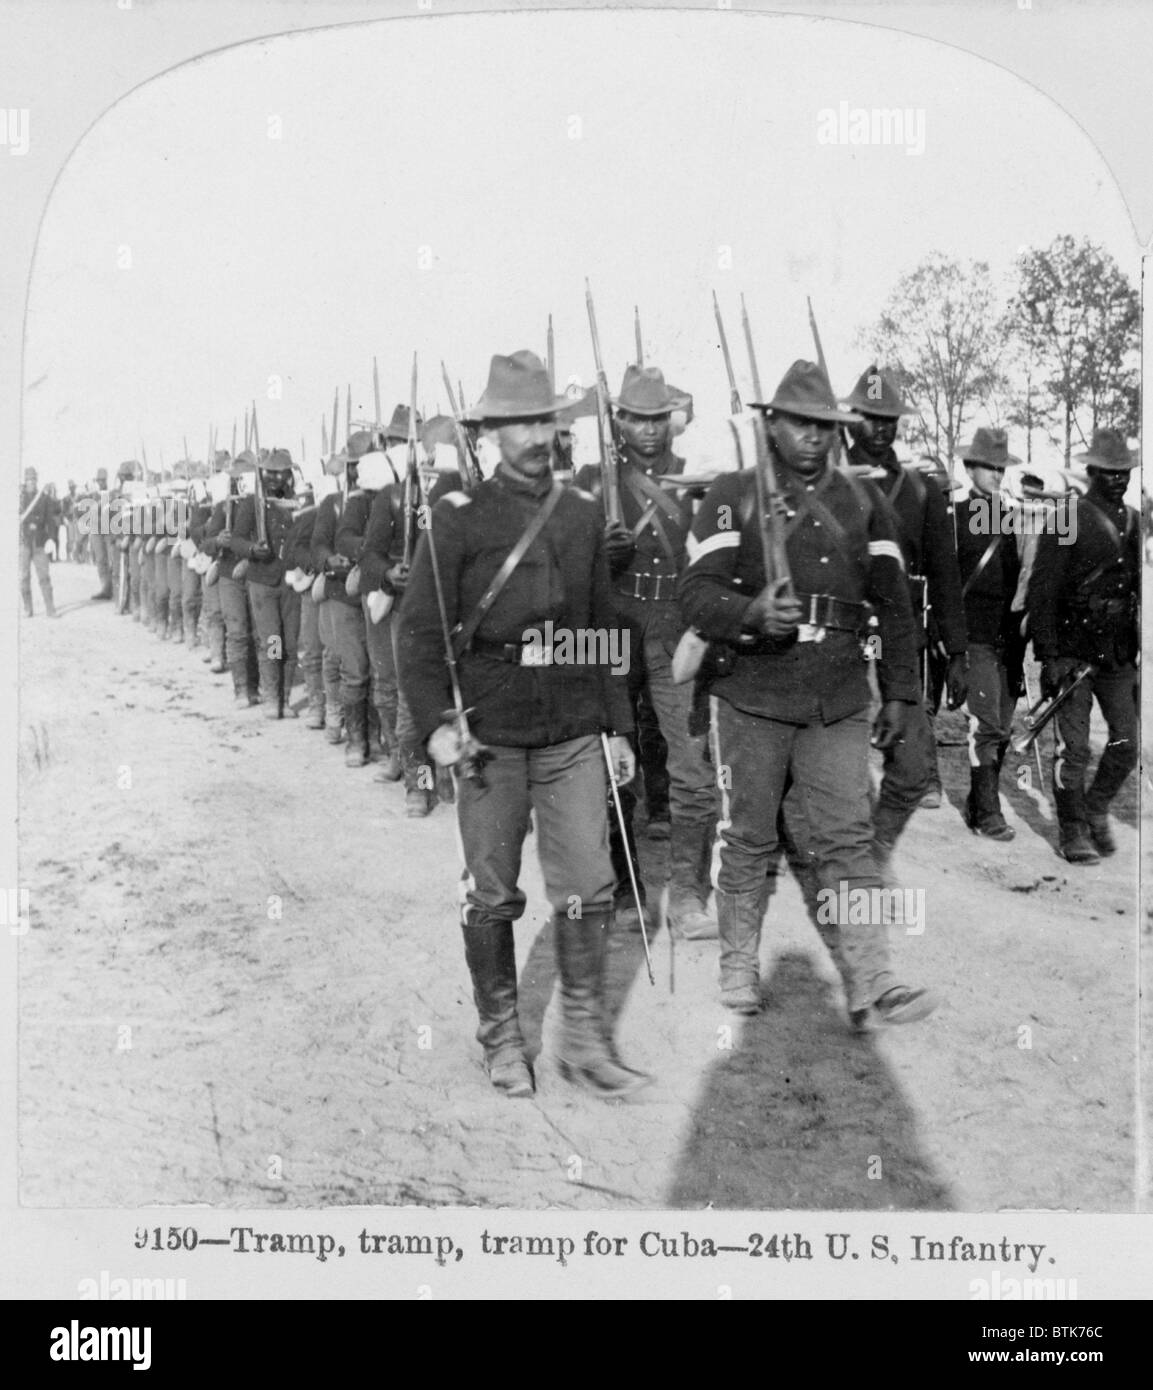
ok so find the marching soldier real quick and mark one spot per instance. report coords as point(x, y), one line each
point(210, 592)
point(793, 705)
point(930, 554)
point(1083, 609)
point(646, 555)
point(234, 606)
point(990, 567)
point(275, 603)
point(38, 524)
point(341, 619)
point(520, 557)
point(103, 548)
point(376, 475)
point(310, 651)
point(383, 568)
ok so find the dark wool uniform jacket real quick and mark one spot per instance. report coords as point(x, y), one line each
point(42, 522)
point(1076, 608)
point(989, 599)
point(298, 547)
point(925, 530)
point(655, 617)
point(278, 522)
point(328, 518)
point(211, 546)
point(802, 682)
point(384, 537)
point(564, 578)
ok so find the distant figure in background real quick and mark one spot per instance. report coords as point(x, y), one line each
point(39, 512)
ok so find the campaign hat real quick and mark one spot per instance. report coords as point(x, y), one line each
point(804, 391)
point(644, 391)
point(989, 449)
point(876, 394)
point(1108, 450)
point(518, 389)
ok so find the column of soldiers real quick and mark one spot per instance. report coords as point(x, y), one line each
point(440, 650)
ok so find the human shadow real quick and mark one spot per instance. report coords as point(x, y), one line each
point(799, 1113)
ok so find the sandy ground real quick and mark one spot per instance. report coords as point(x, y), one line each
point(244, 984)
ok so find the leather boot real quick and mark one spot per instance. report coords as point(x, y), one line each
point(390, 770)
point(1101, 833)
point(419, 793)
point(314, 684)
point(270, 687)
point(1112, 773)
point(739, 918)
point(105, 591)
point(1073, 827)
point(28, 610)
point(690, 861)
point(355, 722)
point(333, 721)
point(490, 952)
point(585, 1055)
point(289, 680)
point(242, 696)
point(983, 809)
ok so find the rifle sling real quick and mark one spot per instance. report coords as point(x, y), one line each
point(465, 631)
point(989, 551)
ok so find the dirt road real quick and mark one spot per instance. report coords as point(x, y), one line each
point(244, 984)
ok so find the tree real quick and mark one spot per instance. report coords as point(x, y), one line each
point(1076, 320)
point(940, 336)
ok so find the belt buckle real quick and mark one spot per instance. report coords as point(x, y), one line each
point(637, 585)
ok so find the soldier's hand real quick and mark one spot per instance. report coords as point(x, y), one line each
point(397, 576)
point(619, 544)
point(775, 610)
point(957, 680)
point(890, 724)
point(624, 760)
point(445, 745)
point(337, 564)
point(1053, 674)
point(260, 551)
point(223, 541)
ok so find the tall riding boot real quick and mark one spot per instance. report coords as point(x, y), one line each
point(1117, 762)
point(355, 722)
point(333, 720)
point(690, 861)
point(585, 1054)
point(419, 786)
point(270, 687)
point(490, 952)
point(1073, 827)
point(27, 597)
point(983, 811)
point(390, 770)
point(314, 684)
point(289, 680)
point(243, 697)
point(739, 918)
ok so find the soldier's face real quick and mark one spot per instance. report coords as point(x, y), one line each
point(986, 480)
point(1111, 483)
point(803, 444)
point(645, 435)
point(526, 446)
point(875, 434)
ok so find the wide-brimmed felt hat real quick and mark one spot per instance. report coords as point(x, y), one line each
point(360, 442)
point(397, 427)
point(876, 394)
point(244, 462)
point(644, 391)
point(804, 391)
point(989, 449)
point(1108, 449)
point(518, 389)
point(279, 461)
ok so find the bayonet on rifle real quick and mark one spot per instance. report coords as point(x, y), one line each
point(734, 394)
point(606, 430)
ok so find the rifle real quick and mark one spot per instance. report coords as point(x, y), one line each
point(606, 427)
point(734, 394)
point(550, 357)
point(335, 410)
point(474, 755)
point(751, 351)
point(258, 486)
point(838, 442)
point(1044, 710)
point(348, 412)
point(467, 460)
point(376, 392)
point(637, 335)
point(411, 478)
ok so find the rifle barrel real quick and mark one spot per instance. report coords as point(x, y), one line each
point(734, 394)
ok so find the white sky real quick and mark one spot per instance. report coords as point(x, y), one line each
point(298, 257)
